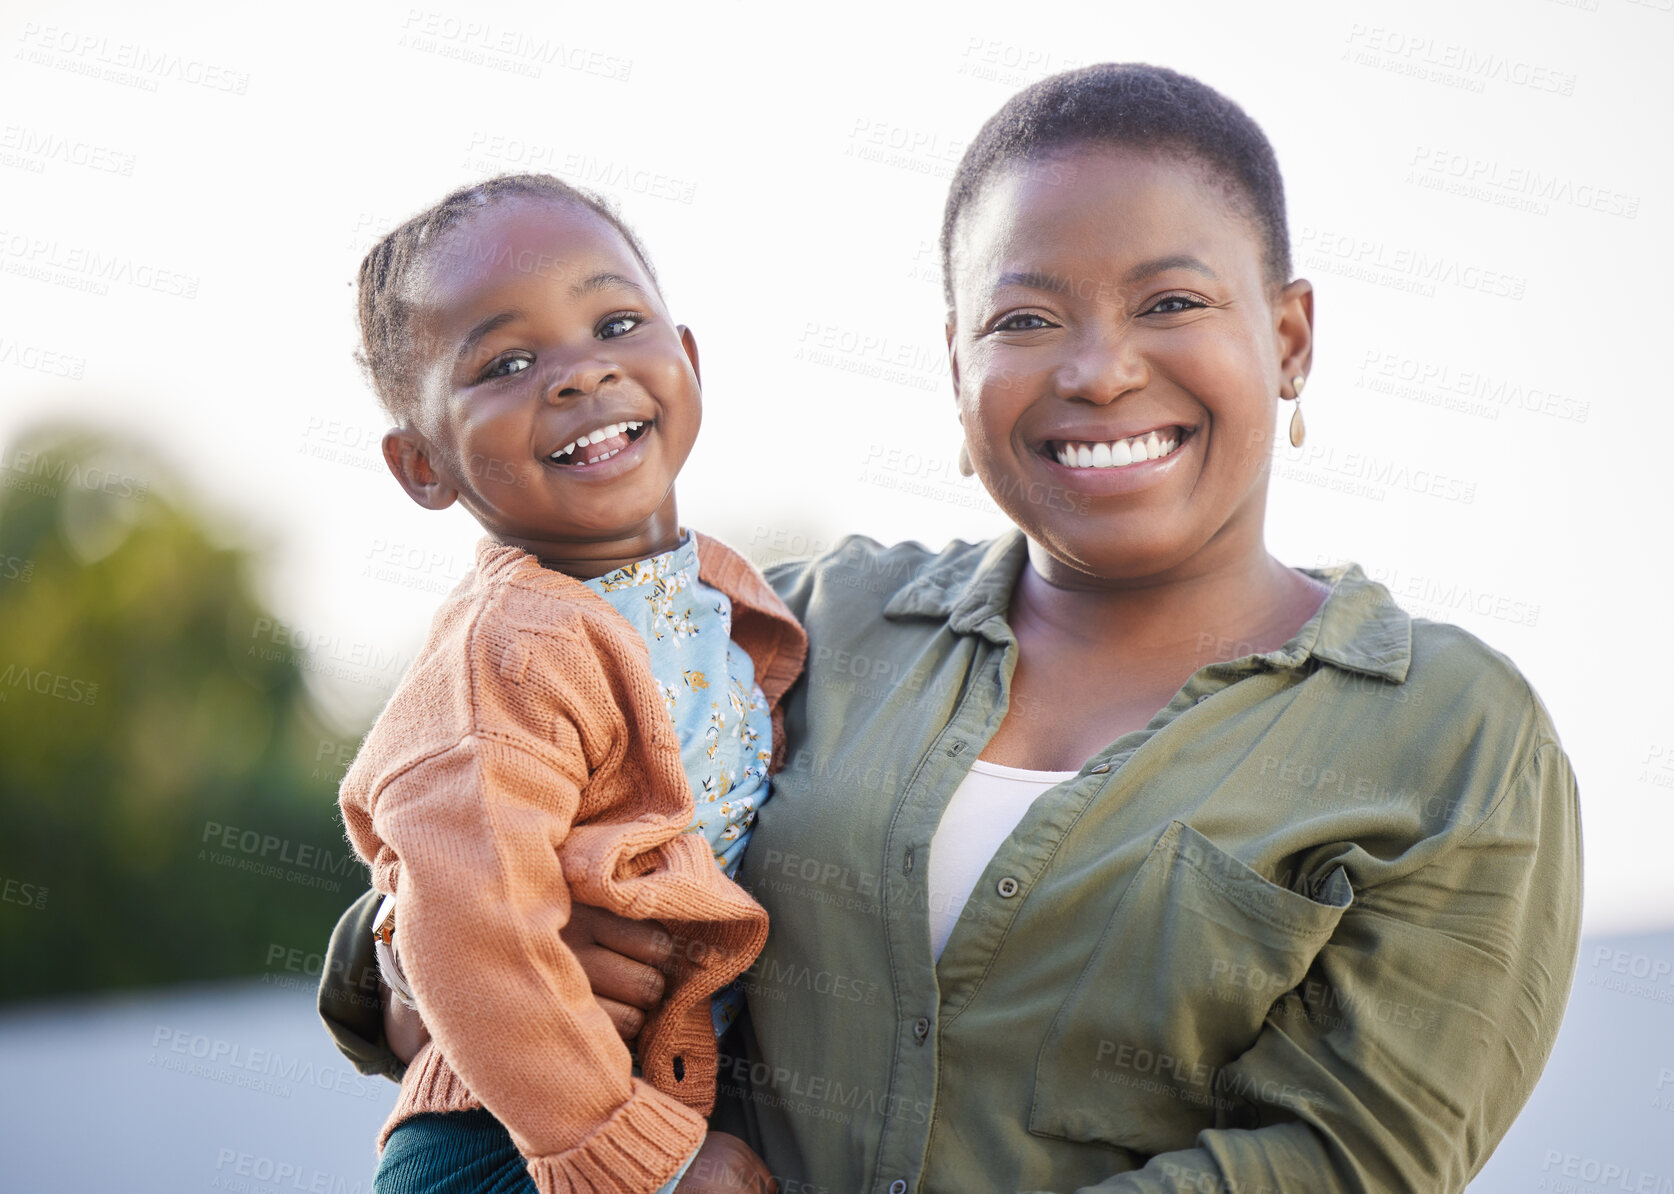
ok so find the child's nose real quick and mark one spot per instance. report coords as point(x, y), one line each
point(574, 379)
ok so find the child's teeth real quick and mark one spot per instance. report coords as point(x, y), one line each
point(568, 448)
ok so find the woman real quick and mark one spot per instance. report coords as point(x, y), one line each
point(1113, 854)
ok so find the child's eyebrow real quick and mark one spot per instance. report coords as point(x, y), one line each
point(498, 320)
point(603, 281)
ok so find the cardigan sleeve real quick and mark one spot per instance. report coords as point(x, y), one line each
point(1404, 1056)
point(481, 898)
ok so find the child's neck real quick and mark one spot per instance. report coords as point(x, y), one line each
point(585, 560)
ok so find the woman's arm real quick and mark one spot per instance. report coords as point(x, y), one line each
point(1344, 1091)
point(622, 959)
point(351, 998)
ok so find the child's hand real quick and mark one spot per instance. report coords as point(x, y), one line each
point(726, 1165)
point(620, 957)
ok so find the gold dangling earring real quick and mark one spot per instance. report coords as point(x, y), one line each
point(966, 468)
point(1297, 428)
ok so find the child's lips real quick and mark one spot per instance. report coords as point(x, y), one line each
point(600, 444)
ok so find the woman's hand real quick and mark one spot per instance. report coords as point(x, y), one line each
point(621, 959)
point(725, 1165)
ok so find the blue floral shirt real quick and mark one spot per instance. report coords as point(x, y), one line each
point(709, 684)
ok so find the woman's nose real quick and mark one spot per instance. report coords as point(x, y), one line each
point(1105, 364)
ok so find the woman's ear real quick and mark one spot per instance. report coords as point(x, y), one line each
point(689, 343)
point(953, 356)
point(409, 458)
point(1293, 323)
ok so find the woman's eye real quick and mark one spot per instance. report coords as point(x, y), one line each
point(1026, 321)
point(618, 325)
point(506, 366)
point(1176, 303)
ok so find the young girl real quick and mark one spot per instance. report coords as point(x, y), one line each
point(597, 669)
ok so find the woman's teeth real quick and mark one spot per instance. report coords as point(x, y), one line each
point(596, 437)
point(1118, 453)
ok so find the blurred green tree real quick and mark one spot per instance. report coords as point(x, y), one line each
point(167, 791)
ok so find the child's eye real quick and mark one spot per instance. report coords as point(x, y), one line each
point(505, 367)
point(1175, 303)
point(1023, 321)
point(618, 325)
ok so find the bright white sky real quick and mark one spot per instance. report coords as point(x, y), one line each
point(1462, 178)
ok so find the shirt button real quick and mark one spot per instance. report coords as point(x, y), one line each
point(1202, 698)
point(921, 1028)
point(1007, 887)
point(1100, 769)
point(897, 1187)
point(957, 746)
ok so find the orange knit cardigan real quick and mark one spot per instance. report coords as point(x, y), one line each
point(525, 760)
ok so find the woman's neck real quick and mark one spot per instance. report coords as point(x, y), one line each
point(1245, 606)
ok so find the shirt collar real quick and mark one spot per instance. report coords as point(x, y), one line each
point(1358, 628)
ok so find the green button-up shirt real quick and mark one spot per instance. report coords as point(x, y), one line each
point(1312, 929)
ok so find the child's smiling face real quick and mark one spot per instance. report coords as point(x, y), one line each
point(1122, 297)
point(536, 328)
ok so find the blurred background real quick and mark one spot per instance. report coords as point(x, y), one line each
point(209, 584)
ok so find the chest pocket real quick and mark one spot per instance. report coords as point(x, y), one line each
point(1197, 951)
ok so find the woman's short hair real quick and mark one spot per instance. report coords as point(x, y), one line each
point(1130, 105)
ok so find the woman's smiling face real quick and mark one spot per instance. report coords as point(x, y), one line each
point(1118, 352)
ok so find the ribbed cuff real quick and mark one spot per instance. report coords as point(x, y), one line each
point(429, 1085)
point(649, 1139)
point(668, 1186)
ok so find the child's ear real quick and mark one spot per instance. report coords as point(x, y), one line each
point(689, 343)
point(408, 457)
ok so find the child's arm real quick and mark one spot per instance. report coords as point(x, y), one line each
point(482, 899)
point(381, 1035)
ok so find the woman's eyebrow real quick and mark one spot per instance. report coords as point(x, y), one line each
point(1034, 280)
point(1159, 265)
point(1058, 284)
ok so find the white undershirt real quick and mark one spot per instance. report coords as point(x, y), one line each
point(984, 810)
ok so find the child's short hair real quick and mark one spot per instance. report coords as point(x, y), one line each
point(384, 314)
point(1130, 105)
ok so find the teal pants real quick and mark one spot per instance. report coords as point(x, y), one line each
point(461, 1152)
